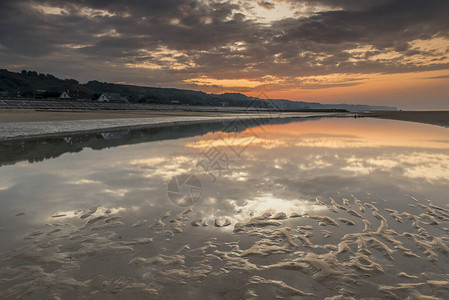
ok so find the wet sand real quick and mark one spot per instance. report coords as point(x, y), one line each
point(101, 224)
point(440, 118)
point(345, 263)
point(31, 115)
point(22, 124)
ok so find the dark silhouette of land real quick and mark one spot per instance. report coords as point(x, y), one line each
point(31, 84)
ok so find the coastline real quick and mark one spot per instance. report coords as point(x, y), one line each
point(439, 118)
point(30, 124)
point(38, 115)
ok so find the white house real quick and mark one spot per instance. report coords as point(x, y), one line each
point(114, 97)
point(64, 95)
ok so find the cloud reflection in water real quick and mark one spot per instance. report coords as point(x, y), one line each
point(283, 170)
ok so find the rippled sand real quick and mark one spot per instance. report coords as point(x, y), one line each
point(354, 249)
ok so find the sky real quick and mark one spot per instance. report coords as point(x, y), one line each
point(379, 52)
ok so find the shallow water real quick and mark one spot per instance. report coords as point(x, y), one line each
point(320, 208)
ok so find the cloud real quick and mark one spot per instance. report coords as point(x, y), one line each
point(266, 4)
point(175, 41)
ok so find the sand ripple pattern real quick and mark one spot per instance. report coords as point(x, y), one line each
point(358, 249)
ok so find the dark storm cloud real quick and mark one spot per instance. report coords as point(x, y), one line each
point(266, 4)
point(189, 38)
point(385, 25)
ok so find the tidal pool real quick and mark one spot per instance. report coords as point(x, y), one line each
point(324, 208)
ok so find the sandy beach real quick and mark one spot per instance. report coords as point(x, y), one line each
point(24, 124)
point(31, 115)
point(223, 150)
point(32, 123)
point(428, 117)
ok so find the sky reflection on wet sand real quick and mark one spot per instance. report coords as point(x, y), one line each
point(279, 218)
